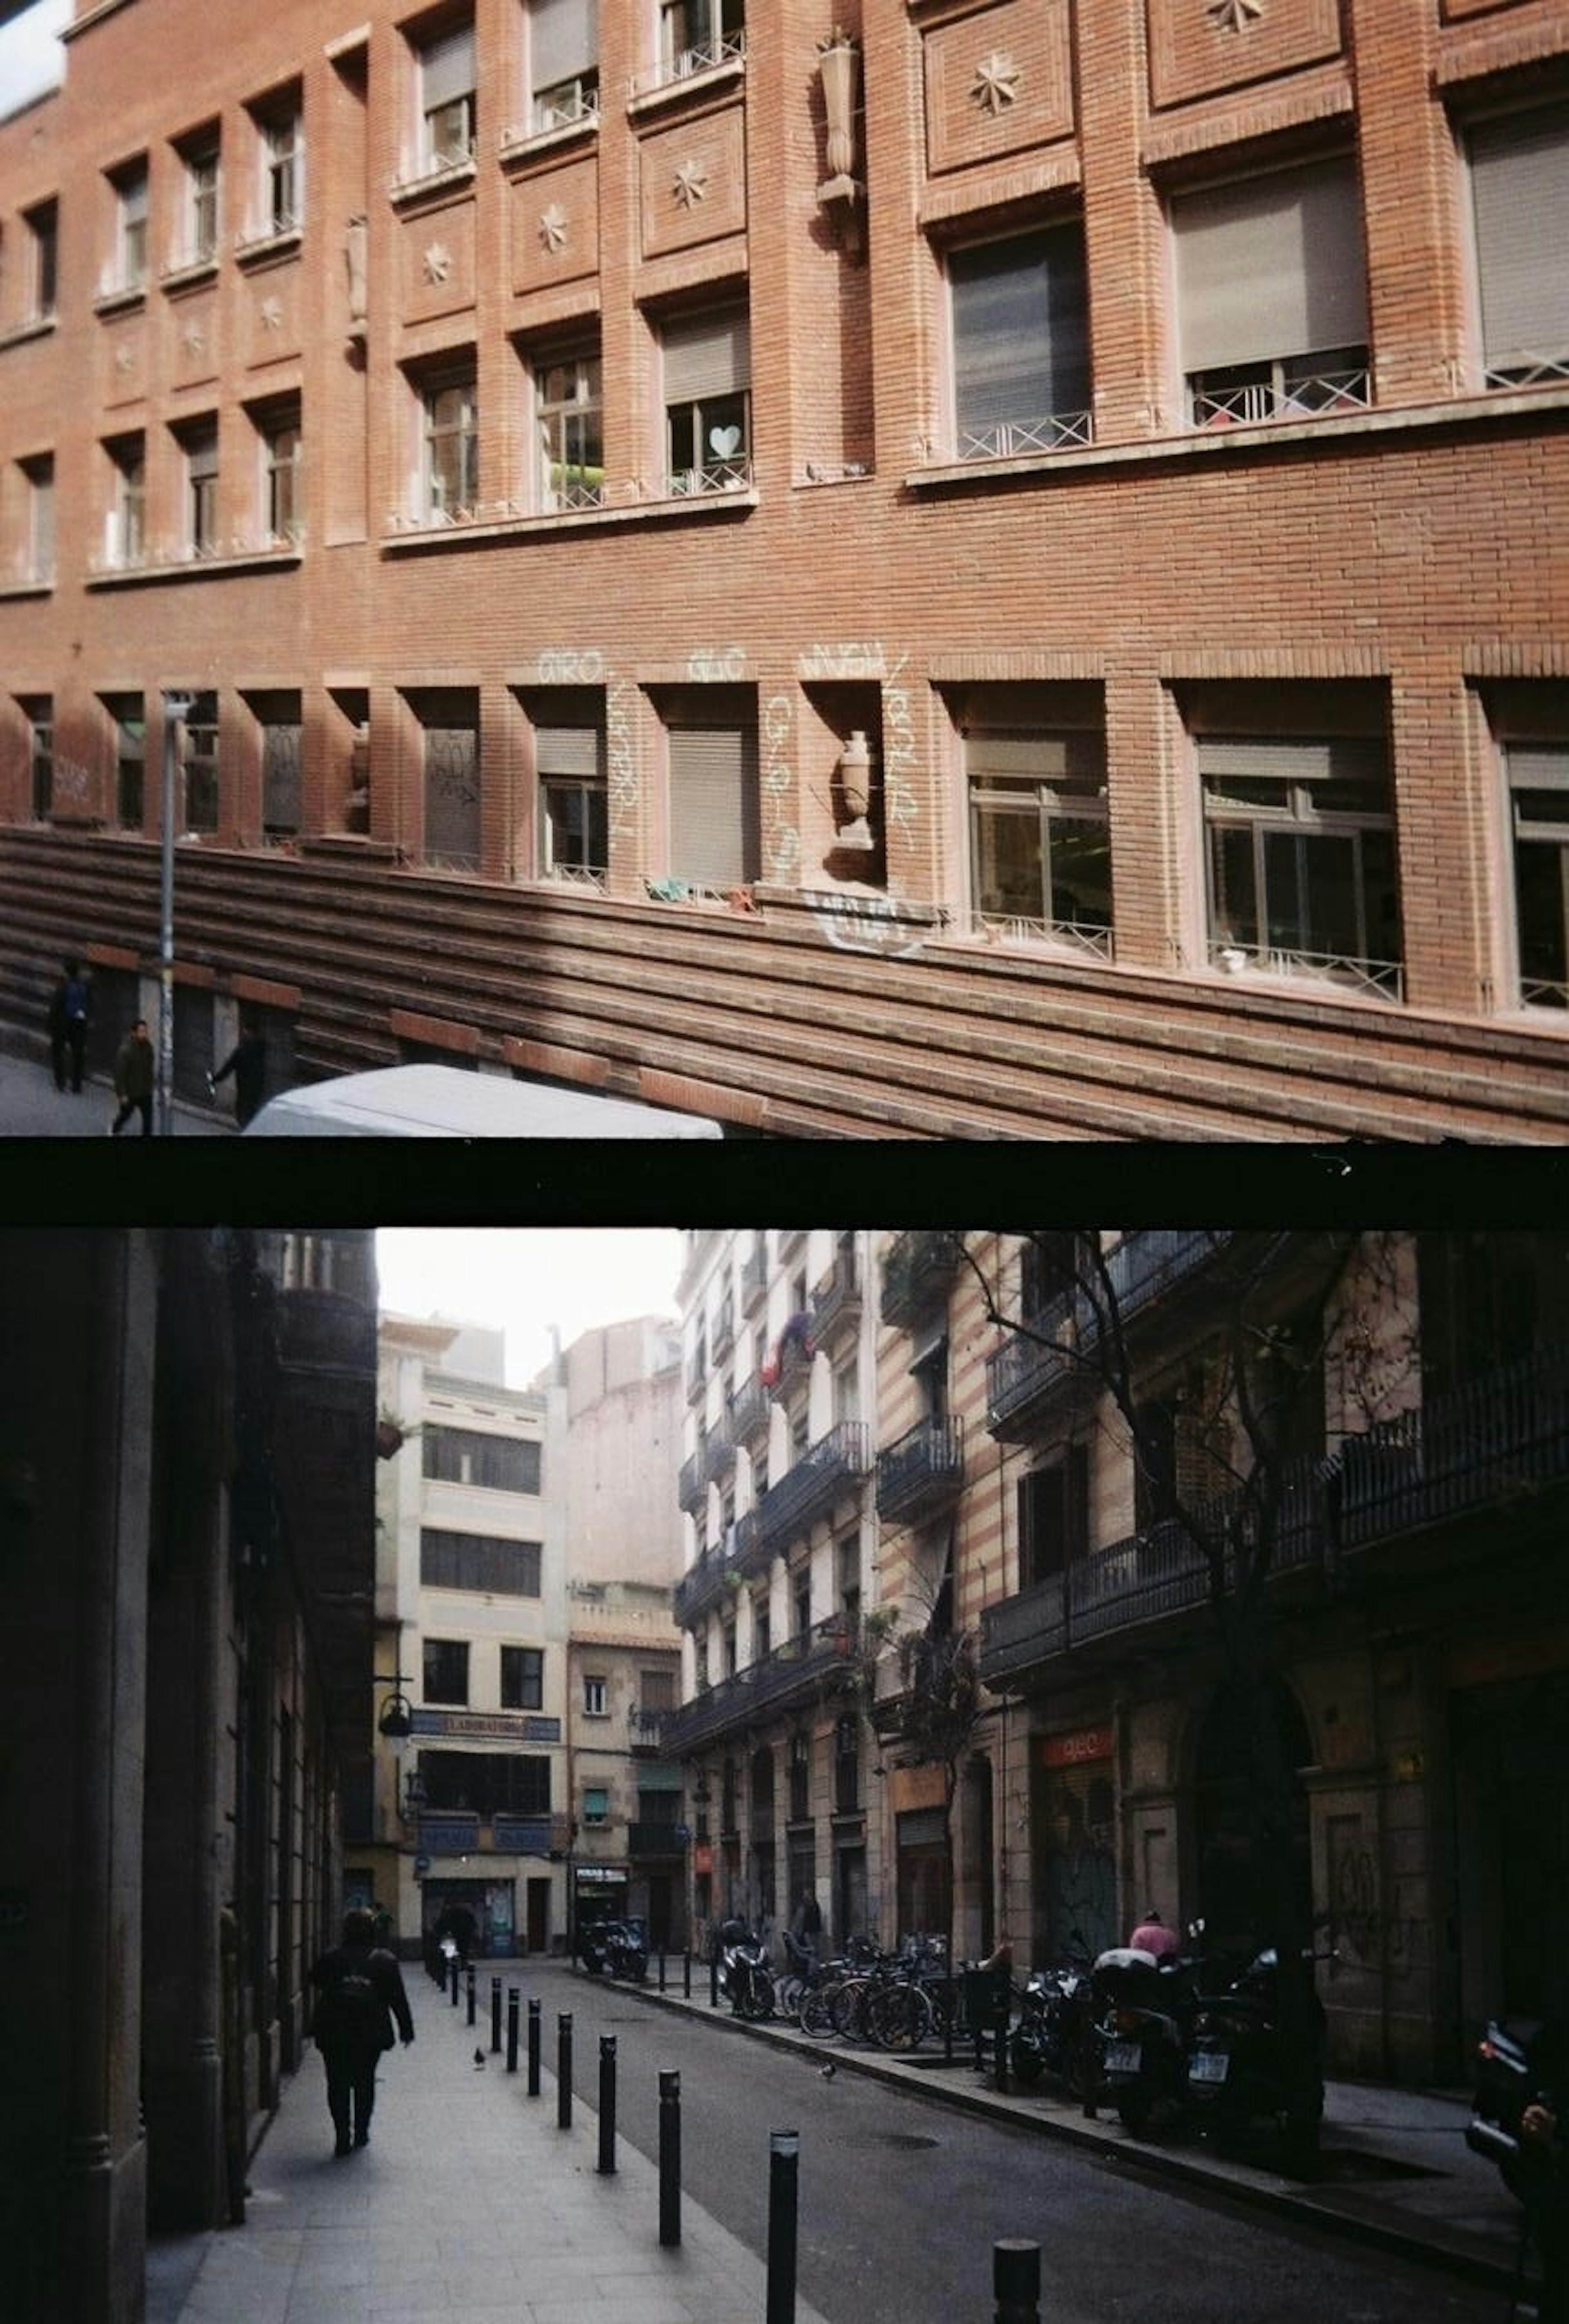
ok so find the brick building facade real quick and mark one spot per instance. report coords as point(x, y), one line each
point(1017, 544)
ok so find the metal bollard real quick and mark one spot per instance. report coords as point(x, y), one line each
point(669, 2157)
point(714, 1983)
point(1015, 2281)
point(784, 2154)
point(534, 2043)
point(685, 1974)
point(496, 2015)
point(455, 1976)
point(662, 1969)
point(607, 2103)
point(512, 2029)
point(564, 2070)
point(471, 1983)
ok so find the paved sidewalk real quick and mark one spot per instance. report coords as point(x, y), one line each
point(1396, 2170)
point(469, 2201)
point(32, 1107)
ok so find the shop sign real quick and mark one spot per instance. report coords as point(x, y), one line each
point(588, 1874)
point(703, 1858)
point(1070, 1750)
point(512, 1727)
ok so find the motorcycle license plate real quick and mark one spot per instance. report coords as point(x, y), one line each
point(1123, 2058)
point(1209, 2066)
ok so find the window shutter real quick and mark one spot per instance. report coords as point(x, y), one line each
point(1019, 351)
point(1345, 759)
point(571, 750)
point(709, 355)
point(447, 69)
point(1539, 767)
point(714, 815)
point(993, 755)
point(1270, 267)
point(1519, 180)
point(564, 36)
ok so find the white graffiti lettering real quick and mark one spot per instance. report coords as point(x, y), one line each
point(620, 765)
point(781, 838)
point(864, 924)
point(716, 665)
point(570, 666)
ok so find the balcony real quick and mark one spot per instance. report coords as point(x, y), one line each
point(656, 1839)
point(704, 1583)
point(821, 1659)
point(823, 1474)
point(1031, 1365)
point(836, 1300)
point(746, 1412)
point(753, 1277)
point(916, 1270)
point(1501, 1440)
point(718, 1451)
point(693, 1483)
point(723, 1334)
point(644, 1730)
point(922, 1473)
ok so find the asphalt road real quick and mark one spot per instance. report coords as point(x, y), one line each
point(901, 2201)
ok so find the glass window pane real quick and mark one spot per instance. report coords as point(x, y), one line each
point(1539, 909)
point(1008, 874)
point(1080, 873)
point(1233, 897)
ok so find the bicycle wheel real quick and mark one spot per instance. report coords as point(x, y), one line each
point(816, 2014)
point(787, 1994)
point(899, 2017)
point(850, 2009)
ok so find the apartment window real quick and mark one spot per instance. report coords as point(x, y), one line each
point(708, 375)
point(848, 1556)
point(715, 839)
point(200, 445)
point(800, 1777)
point(487, 1783)
point(1022, 373)
point(277, 720)
point(571, 424)
point(563, 61)
point(283, 154)
point(446, 1670)
point(1271, 296)
point(130, 186)
point(127, 717)
point(657, 1690)
point(43, 230)
point(38, 477)
point(1520, 190)
point(200, 764)
point(449, 739)
point(126, 541)
point(1538, 774)
point(201, 159)
point(1300, 853)
point(38, 709)
point(1040, 856)
point(447, 99)
point(522, 1678)
point(694, 33)
point(474, 1456)
point(1053, 1517)
point(761, 1627)
point(846, 1766)
point(596, 1696)
point(574, 803)
point(595, 1805)
point(282, 510)
point(496, 1567)
point(449, 475)
point(1158, 1424)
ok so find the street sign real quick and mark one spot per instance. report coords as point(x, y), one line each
point(421, 1866)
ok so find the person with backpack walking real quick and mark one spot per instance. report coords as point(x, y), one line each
point(133, 1071)
point(68, 1025)
point(360, 1993)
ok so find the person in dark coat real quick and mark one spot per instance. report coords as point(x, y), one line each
point(67, 1024)
point(133, 1068)
point(248, 1061)
point(359, 1989)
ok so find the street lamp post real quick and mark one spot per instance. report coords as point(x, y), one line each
point(176, 708)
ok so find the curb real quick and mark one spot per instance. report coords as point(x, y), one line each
point(1427, 2245)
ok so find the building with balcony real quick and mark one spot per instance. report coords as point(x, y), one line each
point(816, 565)
point(186, 1715)
point(781, 1794)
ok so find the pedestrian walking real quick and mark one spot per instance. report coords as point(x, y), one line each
point(360, 1993)
point(248, 1061)
point(68, 1008)
point(133, 1071)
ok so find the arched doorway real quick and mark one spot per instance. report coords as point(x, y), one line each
point(1234, 1819)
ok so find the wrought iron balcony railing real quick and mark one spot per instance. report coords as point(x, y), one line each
point(694, 1479)
point(808, 1491)
point(822, 1656)
point(916, 1270)
point(836, 1300)
point(705, 1581)
point(922, 1470)
point(753, 1277)
point(747, 1411)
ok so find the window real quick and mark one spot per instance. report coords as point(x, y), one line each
point(846, 1766)
point(1158, 1424)
point(567, 402)
point(761, 1626)
point(200, 444)
point(487, 1783)
point(848, 1553)
point(446, 99)
point(1048, 1271)
point(1271, 296)
point(449, 472)
point(1021, 378)
point(715, 838)
point(282, 511)
point(595, 1805)
point(1300, 852)
point(1538, 774)
point(38, 476)
point(801, 1601)
point(800, 1777)
point(38, 709)
point(200, 764)
point(1520, 191)
point(282, 158)
point(127, 714)
point(446, 1670)
point(1040, 858)
point(697, 33)
point(130, 270)
point(43, 229)
point(707, 371)
point(563, 61)
point(574, 803)
point(657, 1690)
point(1053, 1517)
point(278, 717)
point(127, 525)
point(474, 1456)
point(201, 158)
point(474, 1561)
point(522, 1678)
point(449, 723)
point(595, 1697)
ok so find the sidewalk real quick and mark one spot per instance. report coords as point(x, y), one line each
point(1396, 2170)
point(32, 1107)
point(469, 2201)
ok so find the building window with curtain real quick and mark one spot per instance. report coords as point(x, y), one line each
point(200, 444)
point(446, 1669)
point(283, 154)
point(574, 803)
point(1272, 296)
point(1020, 339)
point(127, 718)
point(563, 62)
point(1519, 194)
point(201, 159)
point(1537, 775)
point(1040, 858)
point(714, 826)
point(126, 541)
point(569, 410)
point(708, 386)
point(283, 512)
point(129, 271)
point(522, 1678)
point(43, 230)
point(448, 482)
point(595, 1806)
point(447, 123)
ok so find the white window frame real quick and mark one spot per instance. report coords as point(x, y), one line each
point(696, 34)
point(127, 542)
point(1073, 793)
point(282, 168)
point(281, 454)
point(131, 193)
point(38, 474)
point(565, 482)
point(448, 431)
point(449, 115)
point(199, 447)
point(1538, 770)
point(563, 63)
point(203, 166)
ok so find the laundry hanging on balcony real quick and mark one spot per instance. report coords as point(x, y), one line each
point(797, 1333)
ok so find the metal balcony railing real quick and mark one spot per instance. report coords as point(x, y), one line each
point(1503, 1437)
point(718, 1451)
point(836, 1300)
point(819, 1478)
point(704, 1582)
point(819, 1657)
point(1143, 1267)
point(916, 1270)
point(723, 1334)
point(922, 1470)
point(746, 1411)
point(753, 1277)
point(644, 1728)
point(694, 1479)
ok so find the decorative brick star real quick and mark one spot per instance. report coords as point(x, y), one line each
point(124, 359)
point(996, 82)
point(192, 340)
point(553, 227)
point(691, 184)
point(1235, 16)
point(271, 311)
point(438, 262)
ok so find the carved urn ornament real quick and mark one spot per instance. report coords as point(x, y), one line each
point(839, 64)
point(855, 789)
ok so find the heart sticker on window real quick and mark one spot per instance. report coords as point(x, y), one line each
point(724, 441)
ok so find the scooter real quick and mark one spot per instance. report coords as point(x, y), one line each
point(1507, 2077)
point(1240, 2066)
point(627, 1951)
point(1051, 2036)
point(744, 1972)
point(594, 1943)
point(1144, 2011)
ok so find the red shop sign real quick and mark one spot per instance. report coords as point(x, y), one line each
point(1068, 1751)
point(702, 1856)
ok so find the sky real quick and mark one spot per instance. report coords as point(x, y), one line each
point(31, 58)
point(524, 1279)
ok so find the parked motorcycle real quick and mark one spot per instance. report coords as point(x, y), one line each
point(743, 1972)
point(1144, 2012)
point(1240, 2069)
point(1511, 2070)
point(1052, 2034)
point(627, 1951)
point(594, 1943)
